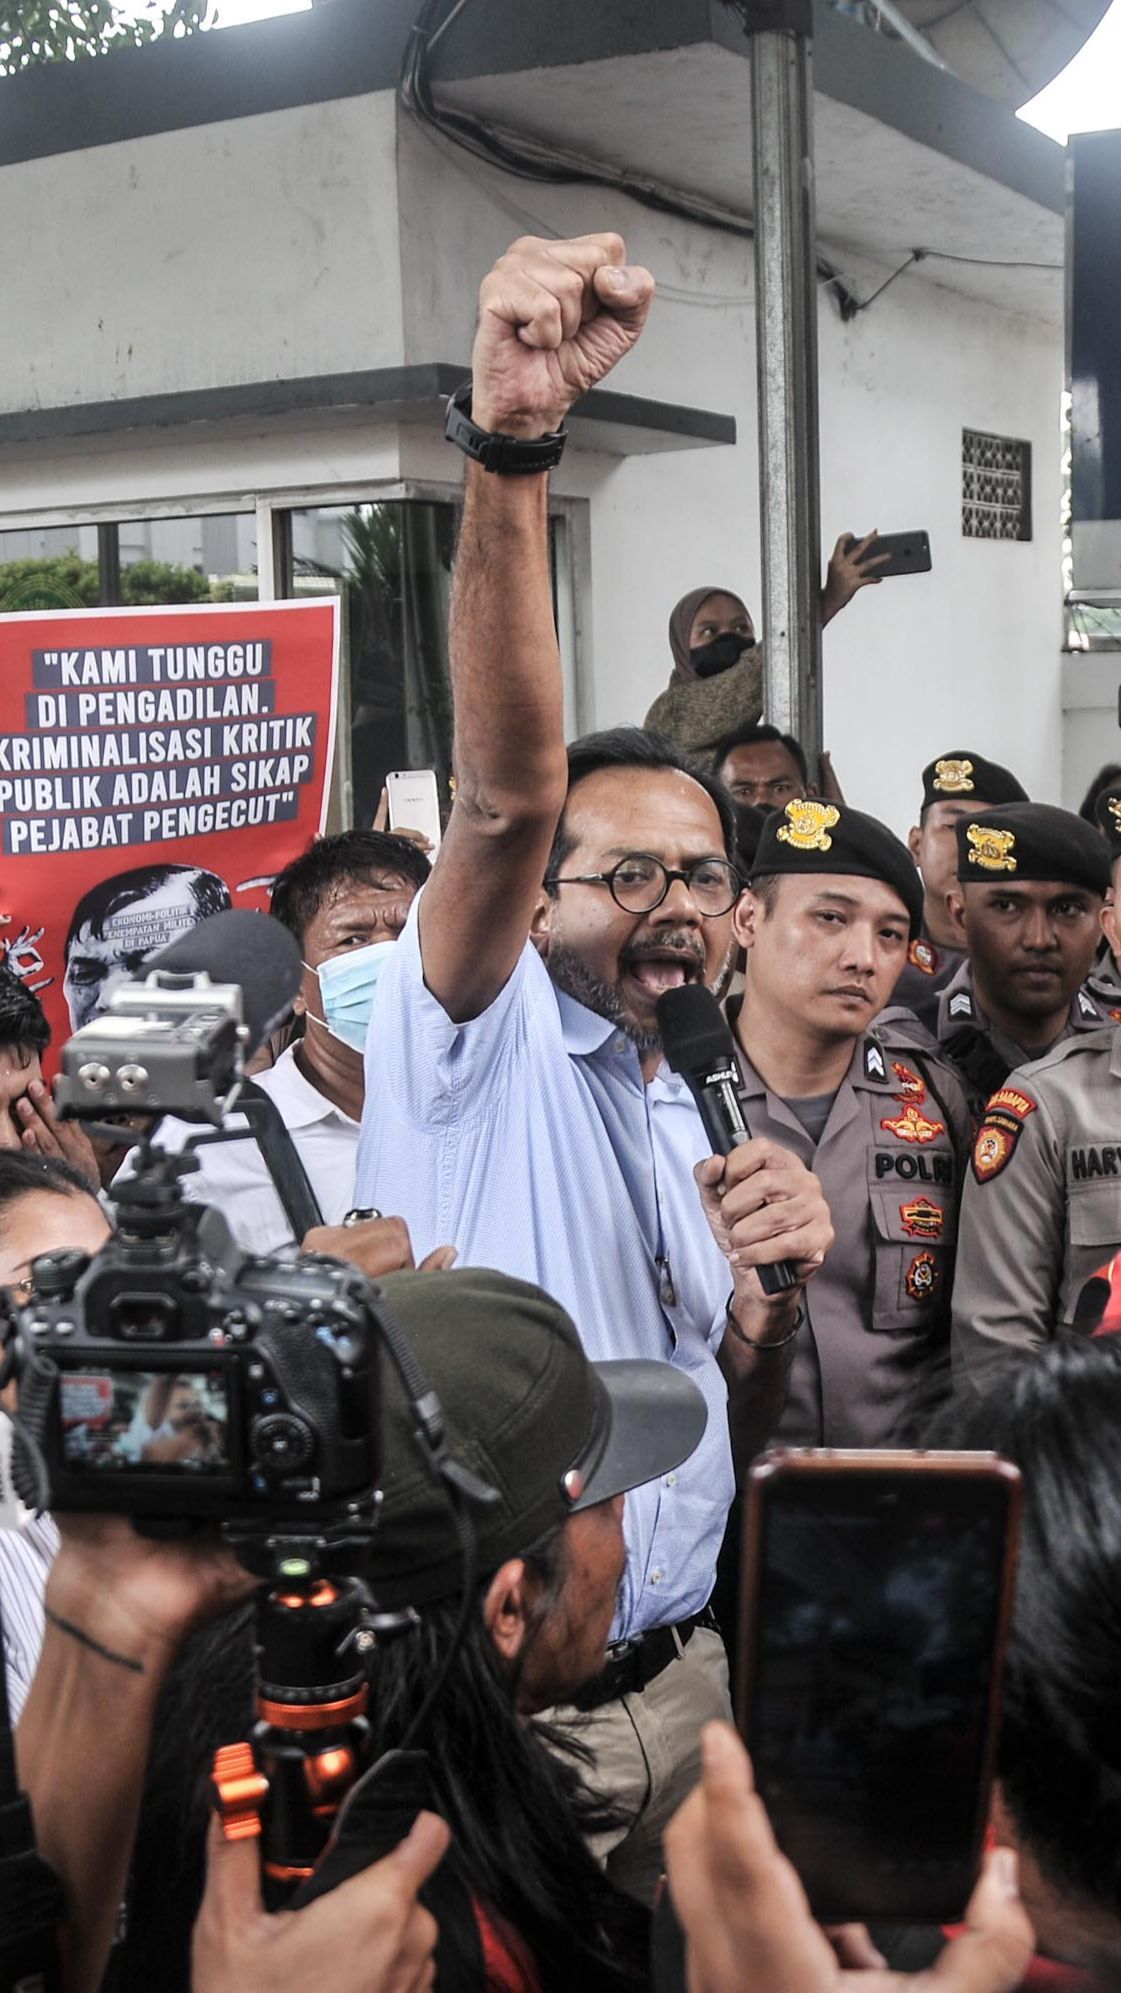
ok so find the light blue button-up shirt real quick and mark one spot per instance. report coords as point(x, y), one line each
point(528, 1139)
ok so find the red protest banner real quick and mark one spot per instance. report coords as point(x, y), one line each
point(156, 765)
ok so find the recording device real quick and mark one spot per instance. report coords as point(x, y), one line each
point(698, 1045)
point(174, 1376)
point(908, 553)
point(414, 803)
point(176, 1040)
point(178, 1380)
point(874, 1611)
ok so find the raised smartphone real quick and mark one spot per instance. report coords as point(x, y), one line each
point(414, 803)
point(875, 1603)
point(909, 554)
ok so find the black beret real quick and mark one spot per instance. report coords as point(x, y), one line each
point(966, 777)
point(1107, 809)
point(1031, 841)
point(813, 836)
point(750, 818)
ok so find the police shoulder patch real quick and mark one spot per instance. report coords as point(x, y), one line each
point(874, 1068)
point(1086, 1005)
point(961, 1004)
point(924, 956)
point(996, 1140)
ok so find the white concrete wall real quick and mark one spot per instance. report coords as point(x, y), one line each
point(273, 246)
point(968, 656)
point(257, 249)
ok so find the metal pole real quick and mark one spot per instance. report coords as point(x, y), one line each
point(786, 347)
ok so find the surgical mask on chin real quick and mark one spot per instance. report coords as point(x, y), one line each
point(346, 985)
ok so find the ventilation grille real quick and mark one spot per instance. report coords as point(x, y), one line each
point(995, 487)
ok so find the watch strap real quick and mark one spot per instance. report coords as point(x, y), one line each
point(506, 455)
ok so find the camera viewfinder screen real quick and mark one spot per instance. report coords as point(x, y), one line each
point(145, 1421)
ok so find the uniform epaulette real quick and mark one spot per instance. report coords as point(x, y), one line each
point(1071, 1048)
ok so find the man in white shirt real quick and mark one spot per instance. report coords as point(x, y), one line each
point(346, 898)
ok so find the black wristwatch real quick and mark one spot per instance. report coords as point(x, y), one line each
point(508, 455)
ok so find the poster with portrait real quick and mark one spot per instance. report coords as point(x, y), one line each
point(156, 765)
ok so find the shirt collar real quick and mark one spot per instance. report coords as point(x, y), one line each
point(300, 1103)
point(585, 1031)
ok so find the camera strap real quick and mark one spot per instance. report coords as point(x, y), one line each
point(282, 1159)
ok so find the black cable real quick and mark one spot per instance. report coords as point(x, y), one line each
point(472, 135)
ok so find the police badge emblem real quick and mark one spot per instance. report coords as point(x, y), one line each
point(923, 1279)
point(911, 1126)
point(808, 825)
point(953, 778)
point(991, 849)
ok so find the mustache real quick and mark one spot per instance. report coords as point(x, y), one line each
point(687, 947)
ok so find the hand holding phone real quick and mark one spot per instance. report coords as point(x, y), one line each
point(414, 807)
point(874, 1613)
point(889, 554)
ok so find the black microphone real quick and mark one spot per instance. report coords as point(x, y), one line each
point(251, 949)
point(698, 1045)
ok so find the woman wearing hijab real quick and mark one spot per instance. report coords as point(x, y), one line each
point(717, 681)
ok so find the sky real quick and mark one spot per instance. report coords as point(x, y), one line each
point(1086, 95)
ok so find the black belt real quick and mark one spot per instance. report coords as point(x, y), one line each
point(633, 1664)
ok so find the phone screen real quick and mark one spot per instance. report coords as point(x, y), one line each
point(878, 1609)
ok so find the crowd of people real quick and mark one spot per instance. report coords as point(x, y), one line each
point(471, 1104)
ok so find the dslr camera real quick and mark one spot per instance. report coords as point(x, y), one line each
point(174, 1377)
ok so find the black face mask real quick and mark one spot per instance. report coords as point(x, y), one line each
point(720, 654)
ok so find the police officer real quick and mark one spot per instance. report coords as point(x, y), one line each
point(832, 902)
point(1028, 902)
point(1041, 1210)
point(955, 785)
point(1104, 980)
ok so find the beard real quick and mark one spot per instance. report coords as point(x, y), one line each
point(572, 975)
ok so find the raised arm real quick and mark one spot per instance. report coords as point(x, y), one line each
point(554, 318)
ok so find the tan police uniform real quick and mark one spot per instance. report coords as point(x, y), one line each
point(982, 1053)
point(1042, 1204)
point(873, 1353)
point(930, 967)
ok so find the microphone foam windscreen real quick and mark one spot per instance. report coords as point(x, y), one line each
point(693, 1028)
point(251, 949)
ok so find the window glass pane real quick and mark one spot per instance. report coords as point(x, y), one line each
point(211, 559)
point(392, 560)
point(49, 567)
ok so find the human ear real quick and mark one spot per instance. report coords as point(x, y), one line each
point(505, 1608)
point(541, 922)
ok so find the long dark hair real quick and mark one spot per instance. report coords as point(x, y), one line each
point(517, 1810)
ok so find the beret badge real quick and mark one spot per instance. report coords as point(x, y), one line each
point(808, 825)
point(991, 849)
point(954, 778)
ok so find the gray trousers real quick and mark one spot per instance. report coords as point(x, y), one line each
point(646, 1756)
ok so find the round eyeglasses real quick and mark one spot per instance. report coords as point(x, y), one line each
point(639, 883)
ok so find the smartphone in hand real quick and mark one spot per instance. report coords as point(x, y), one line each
point(875, 1605)
point(414, 803)
point(906, 553)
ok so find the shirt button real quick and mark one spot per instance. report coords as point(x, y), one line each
point(655, 1577)
point(671, 1480)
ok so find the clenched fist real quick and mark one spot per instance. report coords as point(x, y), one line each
point(554, 318)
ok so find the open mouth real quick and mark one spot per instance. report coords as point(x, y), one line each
point(656, 973)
